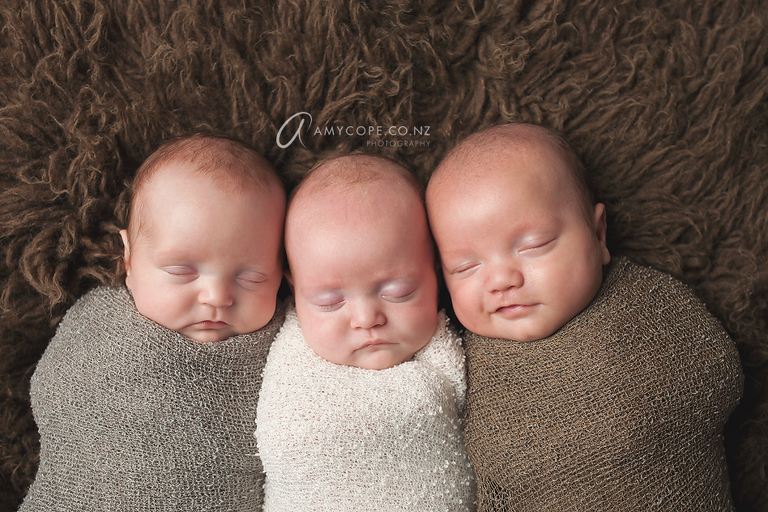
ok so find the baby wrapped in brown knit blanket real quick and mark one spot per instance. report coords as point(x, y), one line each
point(621, 409)
point(135, 417)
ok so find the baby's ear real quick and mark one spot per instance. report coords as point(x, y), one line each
point(289, 278)
point(126, 255)
point(600, 226)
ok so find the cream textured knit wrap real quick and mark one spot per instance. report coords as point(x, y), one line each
point(621, 409)
point(335, 437)
point(136, 417)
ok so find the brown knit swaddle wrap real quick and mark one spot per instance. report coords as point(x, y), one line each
point(621, 409)
point(136, 417)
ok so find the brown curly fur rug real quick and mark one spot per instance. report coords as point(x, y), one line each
point(668, 102)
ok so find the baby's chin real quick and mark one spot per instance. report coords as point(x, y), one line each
point(521, 335)
point(381, 360)
point(206, 338)
point(217, 334)
point(208, 335)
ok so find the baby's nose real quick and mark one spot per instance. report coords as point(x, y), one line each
point(503, 276)
point(365, 315)
point(216, 293)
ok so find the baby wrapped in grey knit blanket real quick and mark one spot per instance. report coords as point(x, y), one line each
point(135, 417)
point(621, 409)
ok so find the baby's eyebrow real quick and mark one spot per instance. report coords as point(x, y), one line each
point(463, 253)
point(403, 282)
point(174, 254)
point(325, 298)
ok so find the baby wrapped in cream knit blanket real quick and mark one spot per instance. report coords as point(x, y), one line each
point(135, 417)
point(623, 408)
point(335, 437)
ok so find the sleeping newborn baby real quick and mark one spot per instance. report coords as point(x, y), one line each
point(145, 397)
point(585, 392)
point(364, 385)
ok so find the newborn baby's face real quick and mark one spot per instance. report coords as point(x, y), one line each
point(520, 255)
point(366, 291)
point(206, 262)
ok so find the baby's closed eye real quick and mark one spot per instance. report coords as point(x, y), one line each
point(399, 292)
point(250, 279)
point(327, 302)
point(464, 270)
point(537, 245)
point(181, 271)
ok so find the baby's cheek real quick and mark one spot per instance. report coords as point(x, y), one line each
point(468, 313)
point(470, 300)
point(149, 308)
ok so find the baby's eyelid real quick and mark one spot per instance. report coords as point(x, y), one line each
point(397, 297)
point(463, 268)
point(537, 244)
point(326, 300)
point(255, 277)
point(180, 270)
point(330, 306)
point(399, 289)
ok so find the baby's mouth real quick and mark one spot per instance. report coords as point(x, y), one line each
point(210, 324)
point(514, 310)
point(375, 342)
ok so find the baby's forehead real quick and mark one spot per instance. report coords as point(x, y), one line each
point(341, 220)
point(364, 201)
point(374, 204)
point(175, 186)
point(504, 145)
point(498, 159)
point(355, 181)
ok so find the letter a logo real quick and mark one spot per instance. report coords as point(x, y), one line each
point(298, 130)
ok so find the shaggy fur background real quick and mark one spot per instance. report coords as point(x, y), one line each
point(667, 100)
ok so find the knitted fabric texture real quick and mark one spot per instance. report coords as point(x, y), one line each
point(621, 409)
point(136, 417)
point(335, 437)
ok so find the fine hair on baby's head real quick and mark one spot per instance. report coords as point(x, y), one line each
point(228, 162)
point(361, 262)
point(521, 240)
point(576, 167)
point(484, 143)
point(357, 175)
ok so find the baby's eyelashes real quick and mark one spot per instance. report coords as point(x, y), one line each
point(399, 296)
point(250, 280)
point(329, 307)
point(181, 271)
point(390, 293)
point(467, 269)
point(399, 290)
point(537, 245)
point(327, 302)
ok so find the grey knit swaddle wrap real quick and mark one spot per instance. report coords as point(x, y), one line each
point(621, 409)
point(135, 417)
